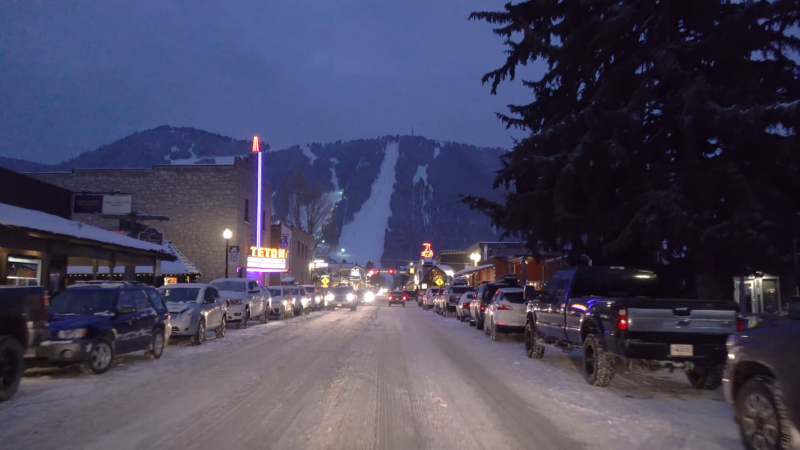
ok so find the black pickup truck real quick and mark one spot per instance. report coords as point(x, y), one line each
point(617, 313)
point(23, 326)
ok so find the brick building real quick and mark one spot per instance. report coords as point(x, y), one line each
point(200, 201)
point(301, 253)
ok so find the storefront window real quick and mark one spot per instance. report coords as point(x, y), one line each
point(23, 271)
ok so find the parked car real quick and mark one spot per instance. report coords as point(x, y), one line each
point(438, 300)
point(23, 328)
point(761, 382)
point(613, 312)
point(412, 294)
point(195, 308)
point(506, 312)
point(92, 322)
point(341, 297)
point(315, 296)
point(429, 297)
point(247, 301)
point(451, 296)
point(462, 312)
point(299, 298)
point(397, 297)
point(477, 309)
point(282, 305)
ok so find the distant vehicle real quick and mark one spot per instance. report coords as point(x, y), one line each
point(761, 382)
point(314, 295)
point(299, 298)
point(282, 302)
point(462, 312)
point(92, 322)
point(506, 312)
point(247, 301)
point(341, 297)
point(412, 294)
point(23, 328)
point(195, 308)
point(477, 309)
point(613, 312)
point(451, 296)
point(397, 297)
point(429, 297)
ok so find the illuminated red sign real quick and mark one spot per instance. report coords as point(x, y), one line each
point(255, 144)
point(427, 253)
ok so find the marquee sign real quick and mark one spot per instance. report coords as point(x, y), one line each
point(264, 259)
point(427, 253)
point(355, 273)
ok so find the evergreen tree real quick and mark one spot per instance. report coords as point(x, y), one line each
point(663, 132)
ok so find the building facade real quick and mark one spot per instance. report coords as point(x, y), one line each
point(200, 202)
point(301, 253)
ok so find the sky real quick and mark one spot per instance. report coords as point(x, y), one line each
point(75, 75)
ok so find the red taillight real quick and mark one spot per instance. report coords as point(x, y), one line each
point(482, 308)
point(465, 305)
point(390, 297)
point(503, 307)
point(500, 323)
point(405, 298)
point(622, 319)
point(739, 324)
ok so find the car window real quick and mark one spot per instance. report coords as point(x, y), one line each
point(141, 299)
point(276, 292)
point(83, 301)
point(253, 286)
point(181, 294)
point(127, 299)
point(155, 298)
point(230, 286)
point(211, 293)
point(514, 297)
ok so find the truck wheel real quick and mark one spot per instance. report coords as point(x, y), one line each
point(100, 357)
point(598, 365)
point(762, 416)
point(12, 364)
point(157, 344)
point(533, 348)
point(706, 378)
point(200, 336)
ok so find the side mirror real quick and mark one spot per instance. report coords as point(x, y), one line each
point(127, 310)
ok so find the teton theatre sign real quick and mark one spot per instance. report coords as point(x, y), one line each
point(265, 259)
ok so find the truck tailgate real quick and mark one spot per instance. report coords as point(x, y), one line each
point(682, 316)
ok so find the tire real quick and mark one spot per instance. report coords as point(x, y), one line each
point(12, 365)
point(264, 318)
point(245, 318)
point(200, 335)
point(479, 324)
point(706, 378)
point(223, 327)
point(598, 365)
point(485, 329)
point(494, 335)
point(533, 348)
point(390, 304)
point(759, 404)
point(157, 343)
point(100, 358)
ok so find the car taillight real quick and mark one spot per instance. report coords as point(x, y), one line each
point(503, 308)
point(465, 305)
point(739, 324)
point(405, 298)
point(482, 307)
point(390, 297)
point(622, 319)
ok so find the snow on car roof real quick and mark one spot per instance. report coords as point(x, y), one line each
point(15, 217)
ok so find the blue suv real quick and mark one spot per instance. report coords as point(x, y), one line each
point(91, 322)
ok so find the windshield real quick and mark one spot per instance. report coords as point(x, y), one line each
point(295, 291)
point(514, 297)
point(230, 286)
point(341, 289)
point(616, 283)
point(83, 301)
point(180, 295)
point(461, 289)
point(276, 292)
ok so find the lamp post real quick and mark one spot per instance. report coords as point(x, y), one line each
point(475, 257)
point(227, 234)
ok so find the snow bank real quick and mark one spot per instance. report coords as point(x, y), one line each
point(307, 151)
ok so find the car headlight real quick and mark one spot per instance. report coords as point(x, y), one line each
point(369, 296)
point(72, 334)
point(317, 298)
point(350, 297)
point(329, 297)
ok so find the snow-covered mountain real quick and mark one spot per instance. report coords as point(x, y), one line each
point(392, 193)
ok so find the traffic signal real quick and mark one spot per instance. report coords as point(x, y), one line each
point(391, 271)
point(371, 273)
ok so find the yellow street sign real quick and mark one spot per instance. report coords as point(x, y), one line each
point(325, 282)
point(439, 282)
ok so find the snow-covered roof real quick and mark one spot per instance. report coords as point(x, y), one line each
point(470, 270)
point(444, 268)
point(15, 217)
point(181, 266)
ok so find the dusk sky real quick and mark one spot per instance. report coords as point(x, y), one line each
point(75, 75)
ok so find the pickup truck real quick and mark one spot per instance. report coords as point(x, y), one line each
point(23, 326)
point(617, 313)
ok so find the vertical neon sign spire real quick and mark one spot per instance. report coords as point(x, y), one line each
point(257, 150)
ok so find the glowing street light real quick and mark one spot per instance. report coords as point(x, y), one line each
point(475, 257)
point(342, 250)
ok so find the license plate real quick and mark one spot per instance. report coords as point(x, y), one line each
point(681, 350)
point(339, 305)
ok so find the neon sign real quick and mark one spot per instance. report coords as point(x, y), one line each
point(263, 259)
point(257, 150)
point(427, 253)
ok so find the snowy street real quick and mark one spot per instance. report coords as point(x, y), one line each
point(378, 378)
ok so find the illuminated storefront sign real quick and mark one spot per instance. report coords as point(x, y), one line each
point(427, 253)
point(262, 259)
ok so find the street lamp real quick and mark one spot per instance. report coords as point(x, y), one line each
point(475, 257)
point(342, 250)
point(227, 235)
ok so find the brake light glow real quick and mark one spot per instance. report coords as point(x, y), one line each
point(465, 305)
point(390, 297)
point(500, 323)
point(739, 324)
point(405, 298)
point(503, 308)
point(482, 308)
point(622, 319)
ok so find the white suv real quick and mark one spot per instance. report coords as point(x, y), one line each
point(248, 301)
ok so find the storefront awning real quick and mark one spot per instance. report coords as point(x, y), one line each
point(471, 270)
